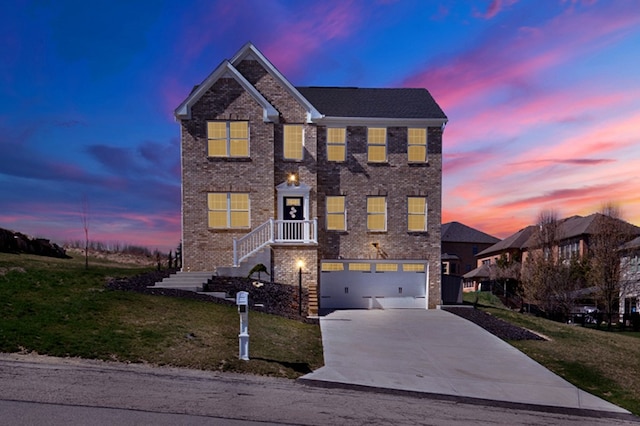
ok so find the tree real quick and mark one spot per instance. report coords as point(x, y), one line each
point(85, 226)
point(546, 278)
point(604, 272)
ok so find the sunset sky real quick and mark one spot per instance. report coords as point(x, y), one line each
point(543, 100)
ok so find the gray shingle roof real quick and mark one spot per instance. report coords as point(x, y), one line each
point(456, 232)
point(373, 103)
point(514, 241)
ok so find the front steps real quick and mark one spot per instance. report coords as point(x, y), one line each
point(191, 281)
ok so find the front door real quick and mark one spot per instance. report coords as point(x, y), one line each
point(293, 210)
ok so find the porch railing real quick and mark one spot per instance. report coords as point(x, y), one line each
point(275, 232)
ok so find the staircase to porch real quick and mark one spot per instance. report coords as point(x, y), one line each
point(274, 232)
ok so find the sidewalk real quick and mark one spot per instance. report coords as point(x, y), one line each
point(438, 353)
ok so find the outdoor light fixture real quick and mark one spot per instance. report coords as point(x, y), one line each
point(300, 265)
point(293, 179)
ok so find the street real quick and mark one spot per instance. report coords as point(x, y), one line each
point(38, 390)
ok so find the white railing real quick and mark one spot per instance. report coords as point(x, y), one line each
point(274, 232)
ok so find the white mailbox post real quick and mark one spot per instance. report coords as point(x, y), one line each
point(242, 300)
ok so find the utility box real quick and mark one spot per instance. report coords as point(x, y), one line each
point(242, 300)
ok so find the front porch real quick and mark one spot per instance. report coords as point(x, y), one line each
point(292, 232)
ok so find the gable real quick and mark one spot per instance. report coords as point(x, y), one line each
point(225, 70)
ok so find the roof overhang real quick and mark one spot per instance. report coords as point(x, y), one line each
point(226, 70)
point(382, 122)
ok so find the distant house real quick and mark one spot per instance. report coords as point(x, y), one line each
point(630, 277)
point(334, 189)
point(460, 245)
point(574, 235)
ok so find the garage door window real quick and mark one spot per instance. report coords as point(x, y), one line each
point(332, 266)
point(386, 267)
point(413, 267)
point(365, 267)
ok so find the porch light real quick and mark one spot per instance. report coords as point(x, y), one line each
point(293, 179)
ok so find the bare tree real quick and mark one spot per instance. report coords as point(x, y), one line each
point(85, 226)
point(546, 278)
point(605, 263)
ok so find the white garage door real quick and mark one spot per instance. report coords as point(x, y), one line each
point(362, 284)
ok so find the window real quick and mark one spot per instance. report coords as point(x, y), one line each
point(417, 214)
point(293, 142)
point(332, 266)
point(336, 214)
point(377, 145)
point(376, 213)
point(228, 210)
point(364, 267)
point(417, 145)
point(228, 138)
point(336, 144)
point(413, 267)
point(386, 267)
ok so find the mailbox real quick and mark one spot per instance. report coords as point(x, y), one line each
point(242, 300)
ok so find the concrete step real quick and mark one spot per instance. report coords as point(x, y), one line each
point(192, 281)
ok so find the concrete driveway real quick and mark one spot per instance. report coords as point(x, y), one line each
point(438, 353)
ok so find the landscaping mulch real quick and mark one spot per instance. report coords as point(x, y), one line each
point(493, 325)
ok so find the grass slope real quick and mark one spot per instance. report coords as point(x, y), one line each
point(57, 307)
point(604, 363)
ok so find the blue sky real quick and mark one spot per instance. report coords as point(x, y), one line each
point(543, 100)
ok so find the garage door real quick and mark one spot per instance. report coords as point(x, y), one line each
point(360, 284)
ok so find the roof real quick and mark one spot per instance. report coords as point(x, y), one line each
point(456, 232)
point(514, 241)
point(373, 103)
point(631, 245)
point(481, 271)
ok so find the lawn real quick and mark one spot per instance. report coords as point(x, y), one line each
point(604, 363)
point(57, 307)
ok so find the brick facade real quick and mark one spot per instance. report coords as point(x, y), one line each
point(205, 249)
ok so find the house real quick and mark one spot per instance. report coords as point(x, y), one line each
point(334, 189)
point(630, 278)
point(509, 249)
point(460, 245)
point(573, 238)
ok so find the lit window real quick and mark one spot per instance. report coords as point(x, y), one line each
point(413, 267)
point(228, 138)
point(228, 210)
point(417, 213)
point(336, 215)
point(377, 145)
point(293, 142)
point(365, 267)
point(417, 145)
point(386, 267)
point(376, 213)
point(336, 144)
point(332, 266)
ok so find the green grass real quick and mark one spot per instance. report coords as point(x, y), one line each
point(482, 298)
point(606, 364)
point(57, 307)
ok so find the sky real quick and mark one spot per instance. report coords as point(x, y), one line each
point(542, 96)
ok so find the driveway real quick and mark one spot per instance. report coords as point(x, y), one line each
point(438, 353)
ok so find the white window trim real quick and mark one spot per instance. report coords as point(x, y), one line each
point(344, 214)
point(384, 213)
point(284, 154)
point(426, 214)
point(344, 144)
point(228, 226)
point(228, 139)
point(386, 145)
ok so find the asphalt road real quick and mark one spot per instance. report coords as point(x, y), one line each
point(36, 390)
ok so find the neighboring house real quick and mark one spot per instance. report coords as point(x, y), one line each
point(460, 245)
point(509, 249)
point(573, 238)
point(630, 277)
point(334, 189)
